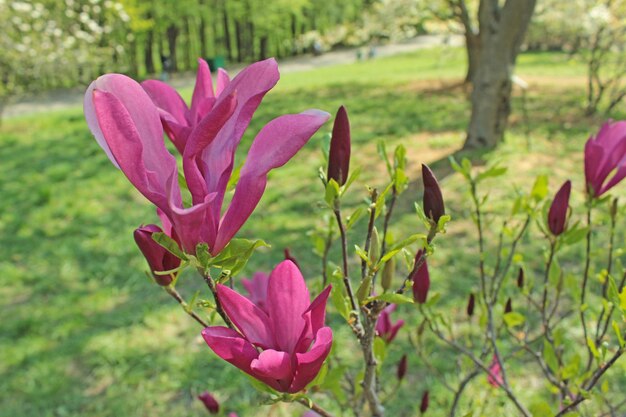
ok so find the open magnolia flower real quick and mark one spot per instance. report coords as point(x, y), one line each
point(128, 125)
point(605, 158)
point(283, 346)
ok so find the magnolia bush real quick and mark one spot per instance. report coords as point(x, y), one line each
point(551, 316)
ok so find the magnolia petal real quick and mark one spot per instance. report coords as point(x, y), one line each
point(257, 289)
point(316, 313)
point(230, 346)
point(275, 144)
point(308, 364)
point(166, 98)
point(194, 225)
point(287, 300)
point(251, 321)
point(251, 84)
point(201, 136)
point(203, 98)
point(134, 136)
point(92, 122)
point(222, 81)
point(275, 365)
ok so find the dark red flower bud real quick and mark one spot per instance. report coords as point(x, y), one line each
point(433, 200)
point(520, 278)
point(424, 403)
point(470, 305)
point(209, 402)
point(558, 209)
point(421, 278)
point(508, 307)
point(290, 257)
point(401, 372)
point(159, 259)
point(339, 155)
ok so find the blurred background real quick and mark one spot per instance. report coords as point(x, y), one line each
point(84, 332)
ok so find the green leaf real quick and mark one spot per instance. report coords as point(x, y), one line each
point(540, 188)
point(340, 300)
point(362, 254)
point(401, 245)
point(169, 244)
point(203, 255)
point(592, 347)
point(236, 254)
point(443, 221)
point(234, 178)
point(618, 334)
point(380, 350)
point(393, 298)
point(550, 357)
point(494, 171)
point(574, 235)
point(513, 319)
point(354, 175)
point(354, 217)
point(364, 289)
point(332, 192)
point(382, 152)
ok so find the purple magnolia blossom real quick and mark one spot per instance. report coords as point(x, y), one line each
point(284, 347)
point(385, 329)
point(604, 154)
point(159, 258)
point(257, 289)
point(209, 402)
point(127, 124)
point(557, 215)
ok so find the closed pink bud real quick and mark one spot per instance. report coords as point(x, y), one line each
point(520, 278)
point(421, 279)
point(385, 328)
point(470, 305)
point(209, 402)
point(425, 402)
point(159, 258)
point(339, 155)
point(557, 215)
point(402, 365)
point(433, 200)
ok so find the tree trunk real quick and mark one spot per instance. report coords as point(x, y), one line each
point(502, 30)
point(148, 58)
point(188, 46)
point(472, 49)
point(263, 47)
point(172, 36)
point(202, 35)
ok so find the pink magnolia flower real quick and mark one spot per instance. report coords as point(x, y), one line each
point(257, 289)
point(209, 402)
point(604, 154)
point(557, 215)
point(127, 125)
point(385, 329)
point(284, 347)
point(495, 373)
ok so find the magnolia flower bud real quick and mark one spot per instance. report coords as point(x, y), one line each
point(389, 270)
point(470, 305)
point(508, 307)
point(557, 215)
point(159, 259)
point(424, 403)
point(520, 278)
point(209, 402)
point(339, 155)
point(421, 279)
point(402, 365)
point(433, 200)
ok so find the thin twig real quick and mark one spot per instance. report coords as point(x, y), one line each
point(218, 305)
point(312, 406)
point(176, 295)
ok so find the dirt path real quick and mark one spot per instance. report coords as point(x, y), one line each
point(63, 99)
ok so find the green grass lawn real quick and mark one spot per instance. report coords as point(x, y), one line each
point(85, 333)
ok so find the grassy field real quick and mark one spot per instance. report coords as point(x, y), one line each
point(85, 333)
